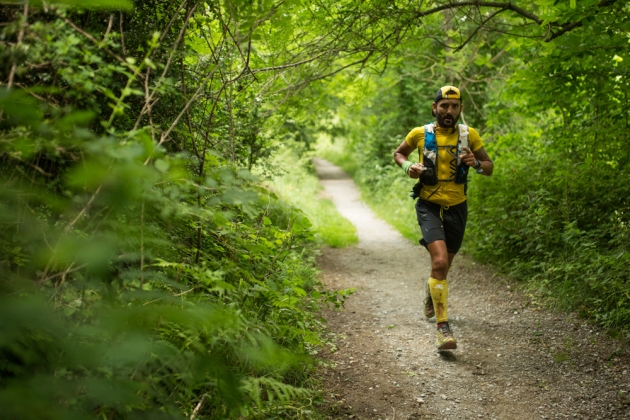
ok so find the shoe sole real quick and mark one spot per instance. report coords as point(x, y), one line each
point(449, 345)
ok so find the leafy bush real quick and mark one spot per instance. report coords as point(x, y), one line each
point(553, 227)
point(147, 316)
point(146, 273)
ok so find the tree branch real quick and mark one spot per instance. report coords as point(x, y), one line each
point(506, 6)
point(477, 29)
point(17, 45)
point(564, 28)
point(109, 28)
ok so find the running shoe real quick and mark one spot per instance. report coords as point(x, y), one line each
point(445, 340)
point(429, 310)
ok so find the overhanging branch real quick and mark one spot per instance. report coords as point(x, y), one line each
point(502, 6)
point(506, 6)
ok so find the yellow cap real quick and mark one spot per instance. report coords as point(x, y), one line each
point(448, 92)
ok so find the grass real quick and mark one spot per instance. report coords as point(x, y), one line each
point(334, 229)
point(298, 185)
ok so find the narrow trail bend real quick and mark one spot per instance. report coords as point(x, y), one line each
point(514, 361)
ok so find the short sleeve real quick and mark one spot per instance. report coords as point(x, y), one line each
point(474, 139)
point(415, 138)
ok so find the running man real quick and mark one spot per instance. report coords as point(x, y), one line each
point(447, 151)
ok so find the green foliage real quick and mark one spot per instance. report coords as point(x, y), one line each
point(146, 272)
point(337, 151)
point(130, 332)
point(560, 224)
point(556, 211)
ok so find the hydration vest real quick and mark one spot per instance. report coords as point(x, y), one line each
point(429, 155)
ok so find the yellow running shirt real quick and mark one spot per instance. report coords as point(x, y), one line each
point(445, 193)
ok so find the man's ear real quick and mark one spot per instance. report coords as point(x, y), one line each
point(433, 109)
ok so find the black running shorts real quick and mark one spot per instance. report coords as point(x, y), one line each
point(442, 223)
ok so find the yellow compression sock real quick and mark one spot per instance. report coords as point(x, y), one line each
point(439, 293)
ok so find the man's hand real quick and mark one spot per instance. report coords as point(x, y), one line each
point(467, 157)
point(415, 170)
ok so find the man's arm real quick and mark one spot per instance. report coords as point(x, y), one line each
point(401, 155)
point(470, 158)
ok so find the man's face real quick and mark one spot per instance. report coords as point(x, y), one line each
point(447, 112)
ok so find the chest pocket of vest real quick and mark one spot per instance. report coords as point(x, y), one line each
point(429, 175)
point(429, 159)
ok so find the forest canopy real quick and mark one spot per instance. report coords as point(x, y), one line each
point(150, 267)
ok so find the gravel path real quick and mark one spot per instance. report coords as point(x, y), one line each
point(514, 360)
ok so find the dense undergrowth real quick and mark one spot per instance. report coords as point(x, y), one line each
point(146, 272)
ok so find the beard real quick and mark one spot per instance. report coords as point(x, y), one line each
point(452, 120)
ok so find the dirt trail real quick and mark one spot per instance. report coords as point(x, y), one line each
point(514, 361)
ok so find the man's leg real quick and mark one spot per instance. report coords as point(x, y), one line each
point(434, 237)
point(429, 309)
point(441, 261)
point(437, 281)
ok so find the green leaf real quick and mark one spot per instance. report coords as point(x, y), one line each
point(21, 107)
point(162, 165)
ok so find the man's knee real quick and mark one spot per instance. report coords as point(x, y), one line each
point(440, 264)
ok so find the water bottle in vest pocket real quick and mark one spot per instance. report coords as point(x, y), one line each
point(429, 175)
